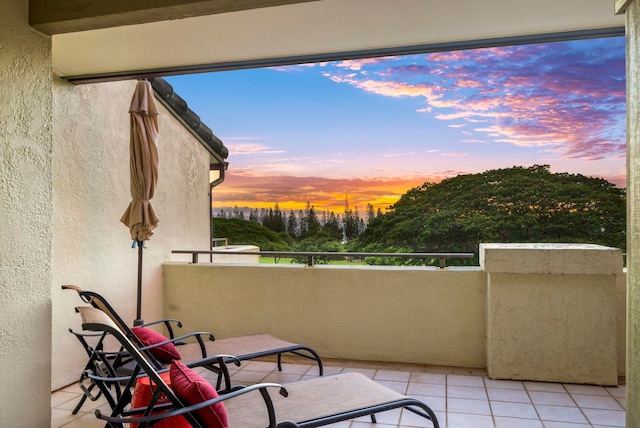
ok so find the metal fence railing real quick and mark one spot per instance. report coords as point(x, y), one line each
point(312, 256)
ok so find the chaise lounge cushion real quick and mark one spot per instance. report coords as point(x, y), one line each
point(164, 353)
point(191, 388)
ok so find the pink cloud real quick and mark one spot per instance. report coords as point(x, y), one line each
point(554, 95)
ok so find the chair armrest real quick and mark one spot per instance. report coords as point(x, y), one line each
point(180, 340)
point(167, 323)
point(137, 415)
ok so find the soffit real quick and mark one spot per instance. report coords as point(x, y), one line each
point(322, 30)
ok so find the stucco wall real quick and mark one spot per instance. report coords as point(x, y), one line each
point(633, 214)
point(402, 314)
point(91, 247)
point(552, 312)
point(25, 220)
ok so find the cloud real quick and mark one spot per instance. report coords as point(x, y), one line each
point(566, 95)
point(248, 188)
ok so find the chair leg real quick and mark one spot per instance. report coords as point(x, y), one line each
point(83, 399)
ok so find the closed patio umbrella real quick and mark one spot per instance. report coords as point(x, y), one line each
point(139, 216)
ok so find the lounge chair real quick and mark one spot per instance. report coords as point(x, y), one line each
point(206, 353)
point(303, 404)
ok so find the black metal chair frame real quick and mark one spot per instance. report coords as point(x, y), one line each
point(96, 320)
point(211, 363)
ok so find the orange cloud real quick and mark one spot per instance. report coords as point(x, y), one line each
point(325, 194)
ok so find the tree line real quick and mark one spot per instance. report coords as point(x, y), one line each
point(511, 205)
point(309, 223)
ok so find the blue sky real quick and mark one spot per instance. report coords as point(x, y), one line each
point(370, 129)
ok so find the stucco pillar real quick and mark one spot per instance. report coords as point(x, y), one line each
point(551, 312)
point(632, 16)
point(25, 220)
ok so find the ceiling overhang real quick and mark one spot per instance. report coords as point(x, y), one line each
point(66, 16)
point(296, 32)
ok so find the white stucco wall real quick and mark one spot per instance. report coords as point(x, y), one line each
point(91, 247)
point(25, 220)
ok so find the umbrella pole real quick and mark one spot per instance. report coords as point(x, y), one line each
point(138, 320)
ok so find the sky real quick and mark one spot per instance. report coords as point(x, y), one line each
point(367, 130)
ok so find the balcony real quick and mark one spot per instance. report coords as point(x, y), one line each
point(533, 337)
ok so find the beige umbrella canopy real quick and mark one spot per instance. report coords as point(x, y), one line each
point(140, 216)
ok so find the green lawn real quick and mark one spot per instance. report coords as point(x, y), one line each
point(283, 260)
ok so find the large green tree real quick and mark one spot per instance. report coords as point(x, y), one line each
point(504, 205)
point(243, 232)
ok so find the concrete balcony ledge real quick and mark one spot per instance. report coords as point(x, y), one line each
point(579, 259)
point(510, 316)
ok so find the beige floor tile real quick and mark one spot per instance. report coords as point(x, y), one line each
point(551, 398)
point(458, 380)
point(514, 410)
point(392, 417)
point(246, 377)
point(460, 420)
point(472, 392)
point(509, 395)
point(551, 424)
point(586, 389)
point(609, 418)
point(300, 369)
point(596, 402)
point(466, 405)
point(508, 422)
point(503, 384)
point(279, 377)
point(435, 378)
point(427, 389)
point(392, 375)
point(60, 397)
point(264, 366)
point(410, 419)
point(435, 403)
point(617, 391)
point(561, 414)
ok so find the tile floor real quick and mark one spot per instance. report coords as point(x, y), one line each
point(461, 398)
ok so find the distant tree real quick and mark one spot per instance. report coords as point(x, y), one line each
point(264, 213)
point(292, 225)
point(320, 242)
point(379, 213)
point(504, 205)
point(279, 223)
point(302, 225)
point(313, 225)
point(351, 222)
point(243, 232)
point(254, 215)
point(361, 227)
point(332, 227)
point(371, 214)
point(221, 214)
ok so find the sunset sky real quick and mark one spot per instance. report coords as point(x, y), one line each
point(369, 130)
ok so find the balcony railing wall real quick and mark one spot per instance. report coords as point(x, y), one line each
point(520, 314)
